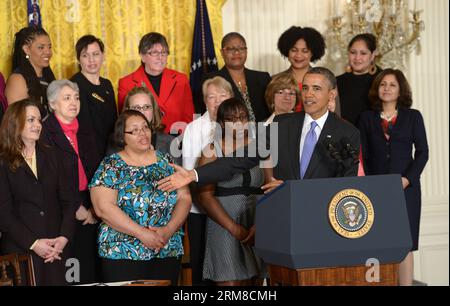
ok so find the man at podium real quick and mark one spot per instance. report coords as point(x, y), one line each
point(314, 143)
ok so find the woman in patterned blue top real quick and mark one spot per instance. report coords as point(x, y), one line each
point(140, 236)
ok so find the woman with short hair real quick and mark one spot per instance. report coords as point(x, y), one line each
point(97, 100)
point(170, 88)
point(75, 143)
point(140, 236)
point(301, 47)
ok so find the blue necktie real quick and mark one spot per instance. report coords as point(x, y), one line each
point(308, 149)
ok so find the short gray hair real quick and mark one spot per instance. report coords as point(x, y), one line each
point(55, 87)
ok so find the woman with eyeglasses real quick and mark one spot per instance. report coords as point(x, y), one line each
point(282, 95)
point(76, 145)
point(198, 134)
point(142, 100)
point(170, 88)
point(248, 85)
point(230, 259)
point(140, 236)
point(389, 132)
point(97, 100)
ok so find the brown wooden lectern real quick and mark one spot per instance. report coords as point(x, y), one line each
point(341, 276)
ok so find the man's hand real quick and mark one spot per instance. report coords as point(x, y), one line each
point(274, 183)
point(180, 178)
point(405, 182)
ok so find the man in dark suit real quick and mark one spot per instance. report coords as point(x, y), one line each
point(303, 142)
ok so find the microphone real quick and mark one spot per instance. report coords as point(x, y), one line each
point(334, 151)
point(349, 150)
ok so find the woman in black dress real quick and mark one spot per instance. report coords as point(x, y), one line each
point(388, 134)
point(354, 84)
point(31, 72)
point(98, 104)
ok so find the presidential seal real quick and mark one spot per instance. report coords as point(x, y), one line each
point(351, 213)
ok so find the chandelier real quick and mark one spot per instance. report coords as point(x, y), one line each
point(397, 33)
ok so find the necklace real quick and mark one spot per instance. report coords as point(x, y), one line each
point(388, 117)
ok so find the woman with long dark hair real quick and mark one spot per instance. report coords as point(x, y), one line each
point(37, 203)
point(389, 132)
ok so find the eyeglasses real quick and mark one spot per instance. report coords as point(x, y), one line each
point(141, 108)
point(289, 94)
point(155, 53)
point(235, 50)
point(137, 131)
point(241, 118)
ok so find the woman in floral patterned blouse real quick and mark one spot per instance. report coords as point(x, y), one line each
point(140, 236)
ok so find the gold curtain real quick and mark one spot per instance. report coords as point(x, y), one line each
point(119, 23)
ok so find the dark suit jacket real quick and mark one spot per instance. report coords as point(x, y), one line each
point(257, 82)
point(396, 156)
point(33, 208)
point(53, 136)
point(175, 96)
point(290, 126)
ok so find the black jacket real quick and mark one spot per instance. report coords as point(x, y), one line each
point(257, 82)
point(33, 208)
point(321, 165)
point(53, 135)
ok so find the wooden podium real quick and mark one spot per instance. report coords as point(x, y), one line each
point(342, 276)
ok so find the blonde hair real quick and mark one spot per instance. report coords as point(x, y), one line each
point(218, 82)
point(156, 123)
point(284, 80)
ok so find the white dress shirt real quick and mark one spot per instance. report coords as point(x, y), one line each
point(197, 135)
point(307, 126)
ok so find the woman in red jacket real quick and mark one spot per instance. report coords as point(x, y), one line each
point(170, 88)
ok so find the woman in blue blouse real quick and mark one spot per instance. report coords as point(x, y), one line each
point(140, 236)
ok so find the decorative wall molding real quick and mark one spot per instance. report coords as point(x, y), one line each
point(262, 21)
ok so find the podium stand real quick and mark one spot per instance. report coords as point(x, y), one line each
point(295, 236)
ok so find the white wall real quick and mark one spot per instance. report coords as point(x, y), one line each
point(262, 21)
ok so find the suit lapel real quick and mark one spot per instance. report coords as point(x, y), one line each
point(168, 83)
point(251, 84)
point(295, 134)
point(398, 123)
point(140, 80)
point(40, 163)
point(57, 135)
point(226, 75)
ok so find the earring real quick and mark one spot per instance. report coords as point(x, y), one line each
point(27, 56)
point(348, 69)
point(372, 69)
